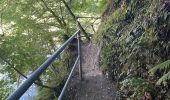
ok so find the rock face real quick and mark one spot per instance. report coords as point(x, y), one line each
point(135, 38)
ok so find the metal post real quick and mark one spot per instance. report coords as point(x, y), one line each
point(35, 75)
point(79, 54)
point(68, 79)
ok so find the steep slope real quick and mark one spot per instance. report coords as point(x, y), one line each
point(135, 37)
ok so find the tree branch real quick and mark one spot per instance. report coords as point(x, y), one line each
point(75, 19)
point(61, 12)
point(53, 13)
point(2, 25)
point(89, 17)
point(37, 83)
point(93, 28)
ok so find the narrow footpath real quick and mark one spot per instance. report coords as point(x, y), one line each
point(95, 86)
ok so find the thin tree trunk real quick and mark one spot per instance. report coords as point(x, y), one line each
point(53, 13)
point(75, 19)
point(88, 17)
point(2, 25)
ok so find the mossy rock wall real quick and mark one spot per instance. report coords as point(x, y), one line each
point(135, 38)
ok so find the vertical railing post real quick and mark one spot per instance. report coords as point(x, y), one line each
point(79, 54)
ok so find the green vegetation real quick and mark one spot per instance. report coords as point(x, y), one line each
point(30, 31)
point(135, 38)
point(162, 66)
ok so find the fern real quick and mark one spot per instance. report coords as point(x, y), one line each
point(162, 66)
point(163, 78)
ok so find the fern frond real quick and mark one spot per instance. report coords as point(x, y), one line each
point(163, 78)
point(162, 66)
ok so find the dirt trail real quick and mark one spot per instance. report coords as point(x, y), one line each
point(94, 85)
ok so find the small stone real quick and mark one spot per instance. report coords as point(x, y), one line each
point(86, 95)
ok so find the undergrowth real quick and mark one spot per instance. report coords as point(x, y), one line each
point(135, 48)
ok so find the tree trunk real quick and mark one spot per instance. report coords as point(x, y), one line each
point(75, 19)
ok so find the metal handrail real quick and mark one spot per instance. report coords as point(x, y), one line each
point(78, 60)
point(68, 79)
point(35, 75)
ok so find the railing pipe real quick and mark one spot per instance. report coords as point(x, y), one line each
point(35, 75)
point(79, 53)
point(68, 79)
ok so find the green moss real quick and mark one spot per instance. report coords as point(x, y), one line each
point(110, 24)
point(133, 47)
point(46, 94)
point(106, 55)
point(102, 3)
point(118, 15)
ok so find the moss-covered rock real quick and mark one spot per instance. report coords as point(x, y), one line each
point(135, 37)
